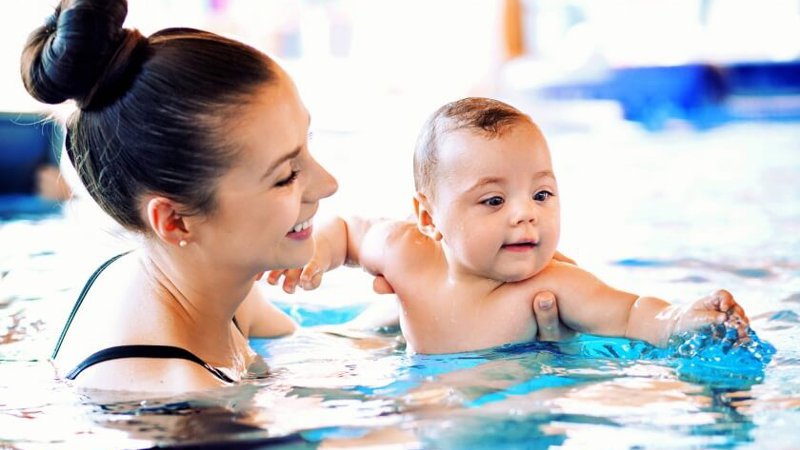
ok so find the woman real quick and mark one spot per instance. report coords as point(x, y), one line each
point(199, 144)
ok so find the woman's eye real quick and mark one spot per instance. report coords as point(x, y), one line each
point(493, 201)
point(542, 196)
point(288, 180)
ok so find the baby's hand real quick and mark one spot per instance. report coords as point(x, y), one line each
point(718, 308)
point(309, 277)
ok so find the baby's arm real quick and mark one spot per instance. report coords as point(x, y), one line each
point(591, 306)
point(655, 320)
point(354, 242)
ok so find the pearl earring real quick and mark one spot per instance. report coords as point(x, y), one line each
point(182, 243)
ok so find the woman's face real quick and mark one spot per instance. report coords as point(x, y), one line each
point(267, 200)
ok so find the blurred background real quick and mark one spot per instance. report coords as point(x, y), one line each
point(679, 95)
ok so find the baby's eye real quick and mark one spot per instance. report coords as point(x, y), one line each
point(493, 201)
point(542, 196)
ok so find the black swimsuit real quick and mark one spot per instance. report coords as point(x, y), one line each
point(129, 351)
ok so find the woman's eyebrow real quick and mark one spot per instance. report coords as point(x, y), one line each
point(291, 155)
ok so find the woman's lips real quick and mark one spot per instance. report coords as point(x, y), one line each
point(300, 235)
point(300, 231)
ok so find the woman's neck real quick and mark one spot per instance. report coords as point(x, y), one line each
point(200, 298)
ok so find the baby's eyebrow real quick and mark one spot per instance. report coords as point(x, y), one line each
point(483, 181)
point(544, 174)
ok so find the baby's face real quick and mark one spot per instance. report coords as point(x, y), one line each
point(495, 203)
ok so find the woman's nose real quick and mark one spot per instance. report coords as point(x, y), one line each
point(321, 184)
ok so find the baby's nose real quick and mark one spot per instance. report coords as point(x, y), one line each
point(525, 211)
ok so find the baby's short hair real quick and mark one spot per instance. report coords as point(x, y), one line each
point(484, 116)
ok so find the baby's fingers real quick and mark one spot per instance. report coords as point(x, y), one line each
point(737, 319)
point(737, 312)
point(311, 276)
point(725, 300)
point(698, 319)
point(717, 299)
point(290, 278)
point(274, 276)
point(740, 326)
point(735, 316)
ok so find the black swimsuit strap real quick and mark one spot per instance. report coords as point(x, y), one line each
point(144, 351)
point(128, 351)
point(78, 302)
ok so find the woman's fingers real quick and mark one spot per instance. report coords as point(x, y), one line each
point(381, 286)
point(545, 310)
point(563, 258)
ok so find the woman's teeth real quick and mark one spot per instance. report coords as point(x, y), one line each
point(301, 226)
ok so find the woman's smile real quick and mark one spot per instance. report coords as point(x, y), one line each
point(301, 231)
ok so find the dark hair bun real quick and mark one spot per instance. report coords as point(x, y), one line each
point(82, 53)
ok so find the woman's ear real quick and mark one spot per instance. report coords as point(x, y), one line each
point(166, 221)
point(423, 211)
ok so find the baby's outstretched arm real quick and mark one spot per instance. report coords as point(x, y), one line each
point(330, 244)
point(656, 321)
point(336, 242)
point(588, 305)
point(719, 307)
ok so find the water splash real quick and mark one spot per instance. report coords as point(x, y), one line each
point(713, 356)
point(710, 356)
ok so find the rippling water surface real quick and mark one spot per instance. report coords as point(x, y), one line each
point(675, 215)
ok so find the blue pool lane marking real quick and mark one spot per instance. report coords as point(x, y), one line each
point(744, 272)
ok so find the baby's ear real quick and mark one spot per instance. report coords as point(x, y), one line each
point(424, 215)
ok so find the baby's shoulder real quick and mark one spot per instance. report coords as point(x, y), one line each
point(405, 247)
point(554, 276)
point(405, 235)
point(566, 281)
point(399, 229)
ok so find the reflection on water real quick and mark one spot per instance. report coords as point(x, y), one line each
point(335, 391)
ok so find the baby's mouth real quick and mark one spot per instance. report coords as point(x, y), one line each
point(520, 246)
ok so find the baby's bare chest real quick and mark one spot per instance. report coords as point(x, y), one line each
point(464, 317)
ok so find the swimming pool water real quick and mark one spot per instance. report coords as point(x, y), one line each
point(675, 214)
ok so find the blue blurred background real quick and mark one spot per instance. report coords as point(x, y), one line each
point(371, 70)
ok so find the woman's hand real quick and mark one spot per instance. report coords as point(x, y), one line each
point(560, 257)
point(545, 311)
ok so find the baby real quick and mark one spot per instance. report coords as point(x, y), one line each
point(483, 244)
